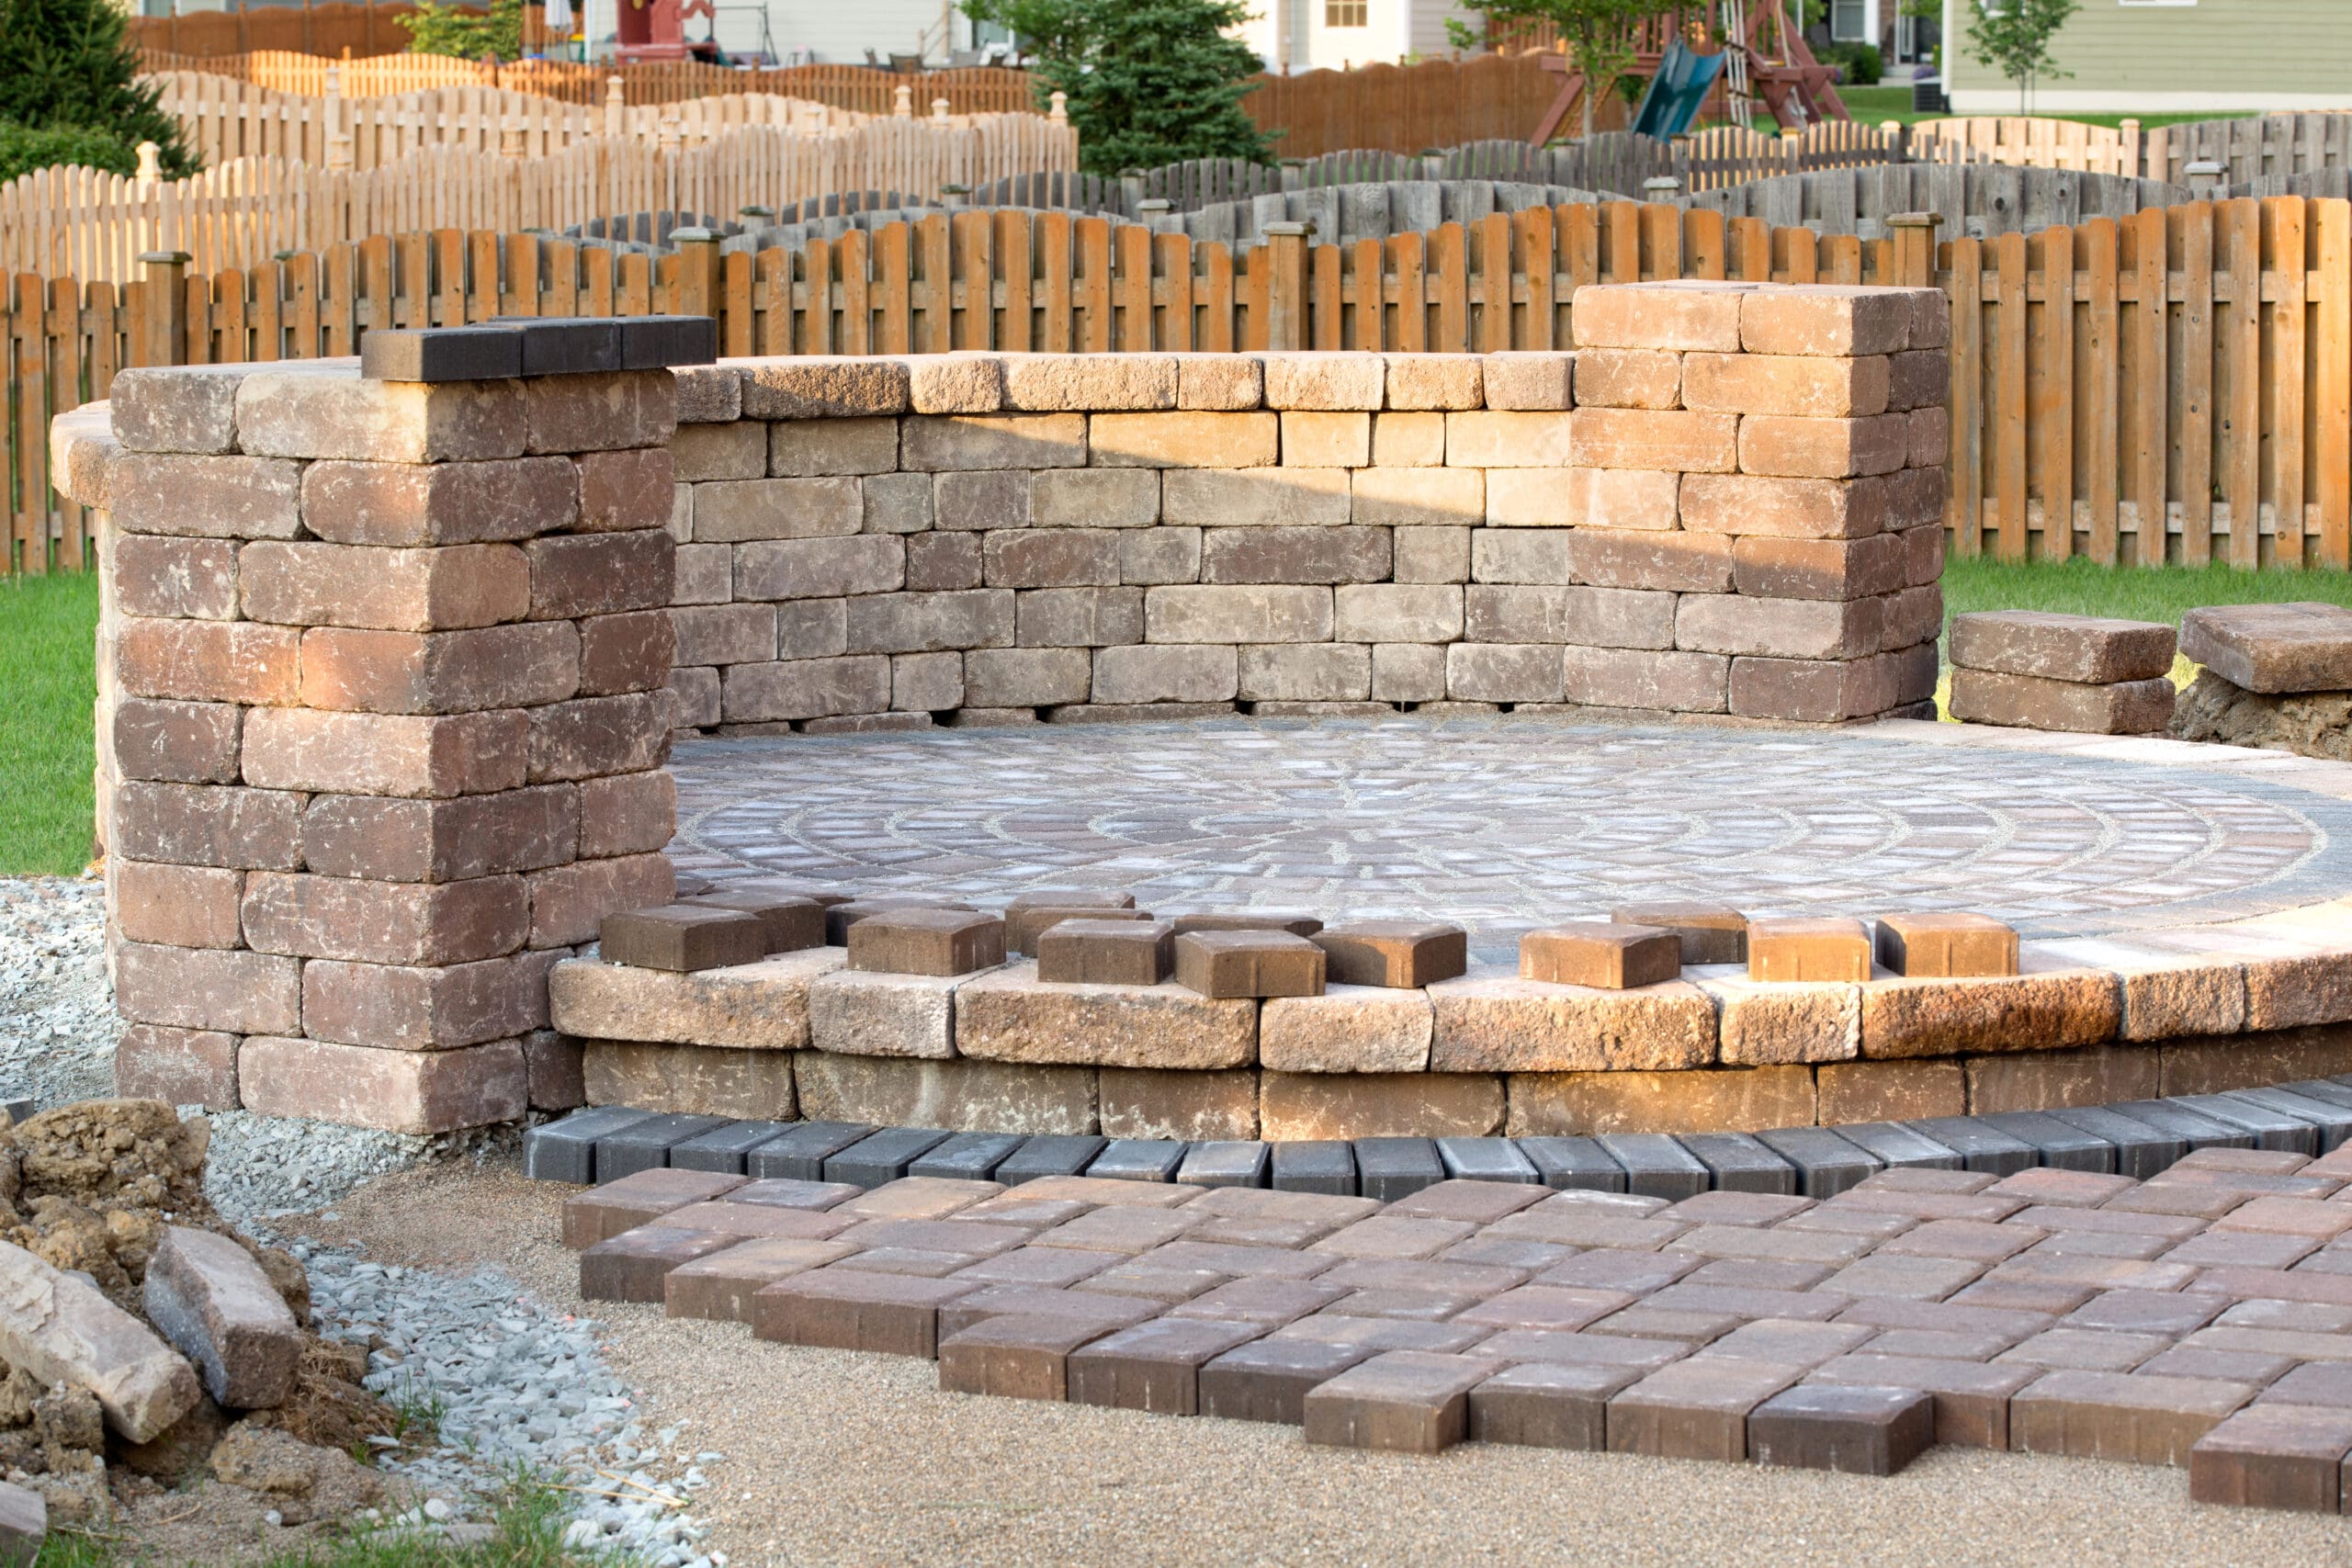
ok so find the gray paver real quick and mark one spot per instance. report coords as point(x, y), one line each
point(1315, 1165)
point(800, 1155)
point(1827, 1164)
point(969, 1157)
point(645, 1144)
point(1485, 1159)
point(2271, 1129)
point(1577, 1164)
point(1224, 1163)
point(2333, 1121)
point(2141, 1150)
point(1058, 1154)
point(723, 1148)
point(1139, 1159)
point(1656, 1166)
point(2059, 1145)
point(1741, 1164)
point(883, 1156)
point(566, 1150)
point(1899, 1147)
point(1390, 1168)
point(2198, 1129)
point(1980, 1146)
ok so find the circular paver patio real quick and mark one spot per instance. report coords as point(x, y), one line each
point(1505, 824)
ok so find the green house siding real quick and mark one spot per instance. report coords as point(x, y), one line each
point(2205, 54)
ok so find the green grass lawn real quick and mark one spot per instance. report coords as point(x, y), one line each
point(48, 643)
point(1872, 105)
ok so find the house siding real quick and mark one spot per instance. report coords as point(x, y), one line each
point(2216, 54)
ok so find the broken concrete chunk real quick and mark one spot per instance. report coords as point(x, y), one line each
point(212, 1302)
point(61, 1330)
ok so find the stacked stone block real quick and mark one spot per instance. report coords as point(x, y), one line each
point(384, 724)
point(1729, 500)
point(2085, 674)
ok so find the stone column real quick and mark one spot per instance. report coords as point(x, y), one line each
point(387, 727)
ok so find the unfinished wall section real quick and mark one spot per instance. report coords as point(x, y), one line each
point(1727, 500)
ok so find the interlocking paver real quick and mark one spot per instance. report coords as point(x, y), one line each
point(1401, 1400)
point(2273, 1456)
point(1547, 1405)
point(1695, 1408)
point(1268, 1380)
point(1154, 1366)
point(720, 1285)
point(1860, 1430)
point(2093, 1415)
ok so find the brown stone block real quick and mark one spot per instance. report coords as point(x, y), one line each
point(1400, 954)
point(640, 1198)
point(926, 941)
point(842, 1309)
point(400, 1091)
point(628, 814)
point(790, 922)
point(629, 652)
point(1375, 1105)
point(177, 906)
point(1600, 953)
point(718, 1286)
point(2271, 1456)
point(1890, 1091)
point(1820, 691)
point(398, 840)
point(390, 754)
point(705, 1081)
point(1971, 1398)
point(1946, 946)
point(568, 902)
point(1709, 933)
point(1153, 1366)
point(208, 497)
point(1127, 950)
point(2050, 1080)
point(178, 1067)
point(439, 673)
point(1694, 1409)
point(177, 579)
point(590, 737)
point(572, 575)
point(397, 504)
point(1861, 1431)
point(632, 1266)
point(1691, 1100)
point(1399, 1400)
point(2083, 648)
point(1027, 923)
point(2041, 1009)
point(206, 825)
point(1229, 964)
point(1014, 1356)
point(1269, 1379)
point(552, 1062)
point(2028, 702)
point(1687, 562)
point(1808, 949)
point(400, 1008)
point(218, 661)
point(622, 490)
point(682, 938)
point(2212, 1065)
point(207, 988)
point(1834, 569)
point(2143, 1420)
point(384, 922)
point(600, 412)
point(450, 588)
point(1192, 1105)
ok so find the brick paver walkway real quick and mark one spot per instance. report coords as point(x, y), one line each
point(1504, 824)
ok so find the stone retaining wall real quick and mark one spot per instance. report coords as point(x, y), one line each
point(1729, 500)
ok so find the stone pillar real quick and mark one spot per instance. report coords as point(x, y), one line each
point(388, 729)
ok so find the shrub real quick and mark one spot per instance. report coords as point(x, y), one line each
point(24, 149)
point(1862, 63)
point(69, 63)
point(452, 29)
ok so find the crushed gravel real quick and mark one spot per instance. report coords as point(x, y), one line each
point(57, 1022)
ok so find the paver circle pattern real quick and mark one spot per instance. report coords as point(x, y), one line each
point(1506, 824)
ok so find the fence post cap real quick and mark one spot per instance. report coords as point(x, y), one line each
point(1285, 229)
point(1151, 206)
point(1661, 183)
point(164, 258)
point(2201, 167)
point(1912, 220)
point(753, 212)
point(692, 236)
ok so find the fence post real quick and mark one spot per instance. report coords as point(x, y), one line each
point(1286, 286)
point(2128, 132)
point(1914, 248)
point(615, 106)
point(161, 337)
point(697, 272)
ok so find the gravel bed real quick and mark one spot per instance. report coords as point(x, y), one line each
point(508, 1382)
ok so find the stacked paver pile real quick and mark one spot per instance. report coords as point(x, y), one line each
point(384, 724)
point(1729, 500)
point(2081, 673)
point(2200, 1319)
point(2276, 676)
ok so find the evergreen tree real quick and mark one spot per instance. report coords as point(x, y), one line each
point(1149, 82)
point(69, 65)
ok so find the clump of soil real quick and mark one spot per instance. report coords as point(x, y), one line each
point(90, 1187)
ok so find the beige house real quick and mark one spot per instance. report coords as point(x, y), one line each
point(1305, 35)
point(2158, 56)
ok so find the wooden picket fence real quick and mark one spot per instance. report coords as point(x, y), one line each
point(85, 224)
point(2181, 374)
point(331, 27)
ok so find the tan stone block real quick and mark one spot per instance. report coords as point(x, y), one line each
point(1811, 387)
point(940, 563)
point(386, 840)
point(415, 1092)
point(178, 408)
point(1385, 611)
point(1150, 557)
point(1600, 954)
point(398, 504)
point(692, 1080)
point(1237, 614)
point(1494, 439)
point(1295, 556)
point(1348, 1029)
point(600, 574)
point(1803, 948)
point(2050, 1081)
point(1629, 378)
point(819, 568)
point(1378, 1105)
point(1254, 497)
point(298, 414)
point(724, 634)
point(1317, 440)
point(1616, 557)
point(340, 753)
point(408, 1009)
point(738, 450)
point(1696, 316)
point(178, 1067)
point(1530, 380)
point(1430, 554)
point(1712, 1099)
point(1090, 381)
point(859, 1013)
point(1219, 381)
point(1782, 508)
point(1520, 556)
point(2062, 647)
point(1827, 319)
point(228, 661)
point(1435, 381)
point(808, 447)
point(2028, 702)
point(1142, 1102)
point(1407, 440)
point(1819, 691)
point(1779, 628)
point(1650, 438)
point(2044, 1009)
point(1503, 673)
point(1407, 672)
point(1093, 497)
point(1166, 673)
point(694, 698)
point(1314, 672)
point(175, 906)
point(2243, 1061)
point(989, 1097)
point(1058, 557)
point(1325, 380)
point(934, 443)
point(1823, 448)
point(1426, 497)
point(440, 672)
point(1041, 677)
point(236, 992)
point(1890, 1091)
point(1495, 1022)
point(1597, 617)
point(1008, 1015)
point(205, 824)
point(926, 682)
point(825, 388)
point(394, 589)
point(931, 622)
point(2165, 990)
point(1637, 678)
point(1596, 497)
point(570, 902)
point(896, 504)
point(731, 510)
point(594, 736)
point(762, 1006)
point(180, 579)
point(589, 414)
point(1765, 1023)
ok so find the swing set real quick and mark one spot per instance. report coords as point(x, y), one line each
point(1732, 52)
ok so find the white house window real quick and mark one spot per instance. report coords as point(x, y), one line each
point(1347, 13)
point(1848, 22)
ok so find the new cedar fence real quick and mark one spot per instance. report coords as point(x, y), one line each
point(329, 29)
point(2187, 369)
